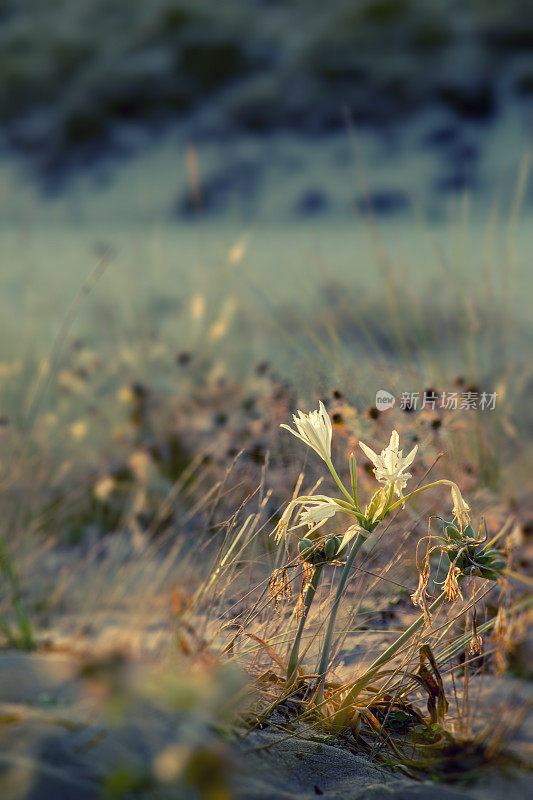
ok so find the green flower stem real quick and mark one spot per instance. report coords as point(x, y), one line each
point(417, 491)
point(292, 669)
point(353, 478)
point(324, 658)
point(344, 505)
point(340, 484)
point(359, 517)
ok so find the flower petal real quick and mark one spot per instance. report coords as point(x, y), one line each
point(374, 458)
point(350, 534)
point(409, 458)
point(394, 442)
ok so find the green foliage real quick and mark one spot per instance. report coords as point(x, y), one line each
point(124, 781)
point(20, 633)
point(470, 553)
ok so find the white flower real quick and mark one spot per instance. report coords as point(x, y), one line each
point(314, 429)
point(389, 466)
point(316, 512)
point(460, 507)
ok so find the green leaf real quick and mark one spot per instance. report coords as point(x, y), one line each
point(353, 478)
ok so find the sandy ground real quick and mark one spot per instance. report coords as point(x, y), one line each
point(60, 738)
point(295, 769)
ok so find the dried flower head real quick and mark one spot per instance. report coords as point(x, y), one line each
point(419, 597)
point(279, 586)
point(476, 642)
point(307, 575)
point(450, 585)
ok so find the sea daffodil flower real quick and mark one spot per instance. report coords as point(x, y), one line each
point(389, 466)
point(316, 512)
point(314, 429)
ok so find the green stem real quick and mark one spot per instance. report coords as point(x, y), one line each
point(353, 478)
point(292, 669)
point(324, 658)
point(421, 489)
point(340, 484)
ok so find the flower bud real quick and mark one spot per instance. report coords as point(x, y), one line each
point(306, 548)
point(330, 548)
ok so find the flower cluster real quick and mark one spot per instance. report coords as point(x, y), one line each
point(468, 554)
point(315, 430)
